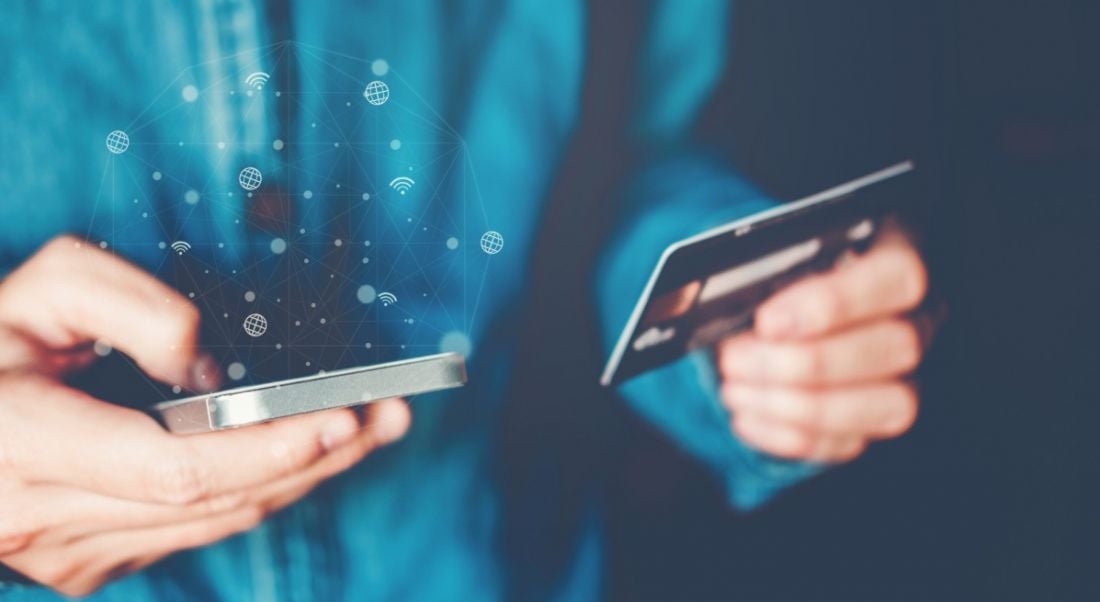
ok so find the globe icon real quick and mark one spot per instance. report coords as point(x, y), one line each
point(492, 242)
point(255, 325)
point(377, 93)
point(250, 178)
point(118, 141)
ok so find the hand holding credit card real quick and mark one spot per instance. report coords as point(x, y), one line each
point(707, 287)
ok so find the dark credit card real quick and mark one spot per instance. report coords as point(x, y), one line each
point(707, 287)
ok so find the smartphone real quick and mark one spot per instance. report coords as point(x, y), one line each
point(234, 408)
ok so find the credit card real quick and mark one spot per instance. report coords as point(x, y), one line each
point(707, 287)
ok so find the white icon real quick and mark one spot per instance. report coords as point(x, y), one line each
point(118, 141)
point(377, 93)
point(250, 178)
point(255, 325)
point(257, 80)
point(181, 247)
point(387, 299)
point(402, 184)
point(492, 242)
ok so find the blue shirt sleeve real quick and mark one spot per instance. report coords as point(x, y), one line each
point(673, 199)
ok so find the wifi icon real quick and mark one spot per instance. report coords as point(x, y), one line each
point(402, 184)
point(257, 80)
point(387, 299)
point(181, 247)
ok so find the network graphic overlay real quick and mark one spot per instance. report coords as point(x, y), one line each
point(312, 205)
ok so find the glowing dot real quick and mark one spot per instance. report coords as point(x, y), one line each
point(278, 93)
point(102, 244)
point(221, 145)
point(322, 320)
point(452, 243)
point(366, 260)
point(366, 294)
point(308, 194)
point(176, 388)
point(366, 243)
point(338, 242)
point(278, 345)
point(395, 144)
point(336, 144)
point(157, 176)
point(102, 348)
point(249, 296)
point(367, 345)
point(278, 144)
point(162, 244)
point(379, 67)
point(190, 93)
point(191, 197)
point(235, 371)
point(455, 342)
point(366, 196)
point(278, 246)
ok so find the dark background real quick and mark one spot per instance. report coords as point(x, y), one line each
point(995, 493)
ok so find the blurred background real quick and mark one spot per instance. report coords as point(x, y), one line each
point(994, 494)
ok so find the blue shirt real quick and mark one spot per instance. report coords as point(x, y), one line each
point(500, 84)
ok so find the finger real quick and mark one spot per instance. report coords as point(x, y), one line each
point(71, 292)
point(57, 514)
point(889, 279)
point(877, 351)
point(53, 434)
point(791, 443)
point(877, 411)
point(81, 568)
point(385, 422)
point(53, 514)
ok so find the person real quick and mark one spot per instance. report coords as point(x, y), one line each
point(96, 499)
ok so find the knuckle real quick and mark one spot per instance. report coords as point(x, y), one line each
point(290, 457)
point(807, 363)
point(803, 409)
point(62, 245)
point(176, 479)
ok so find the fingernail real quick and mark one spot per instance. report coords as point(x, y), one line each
point(205, 376)
point(339, 431)
point(777, 322)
